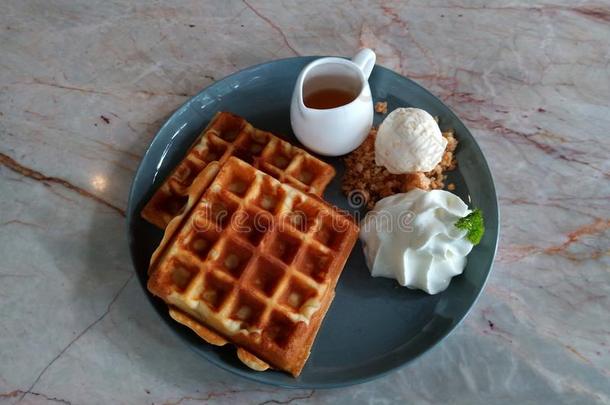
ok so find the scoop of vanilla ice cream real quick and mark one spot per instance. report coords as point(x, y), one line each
point(409, 140)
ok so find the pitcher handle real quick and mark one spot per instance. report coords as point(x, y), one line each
point(365, 60)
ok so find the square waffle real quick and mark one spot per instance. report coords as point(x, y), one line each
point(230, 135)
point(255, 262)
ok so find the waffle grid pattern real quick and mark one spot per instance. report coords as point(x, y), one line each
point(229, 135)
point(255, 257)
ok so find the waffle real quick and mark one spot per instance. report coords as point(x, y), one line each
point(255, 262)
point(229, 135)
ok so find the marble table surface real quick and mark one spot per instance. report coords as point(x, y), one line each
point(84, 85)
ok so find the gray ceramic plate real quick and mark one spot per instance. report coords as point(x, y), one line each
point(373, 326)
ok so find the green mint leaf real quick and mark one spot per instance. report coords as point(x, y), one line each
point(474, 225)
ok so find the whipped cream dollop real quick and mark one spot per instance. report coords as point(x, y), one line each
point(409, 140)
point(412, 237)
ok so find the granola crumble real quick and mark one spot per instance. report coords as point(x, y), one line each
point(381, 107)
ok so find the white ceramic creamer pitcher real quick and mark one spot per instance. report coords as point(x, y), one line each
point(341, 129)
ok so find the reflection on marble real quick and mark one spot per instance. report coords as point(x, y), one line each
point(85, 84)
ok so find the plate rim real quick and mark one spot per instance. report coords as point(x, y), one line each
point(300, 385)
